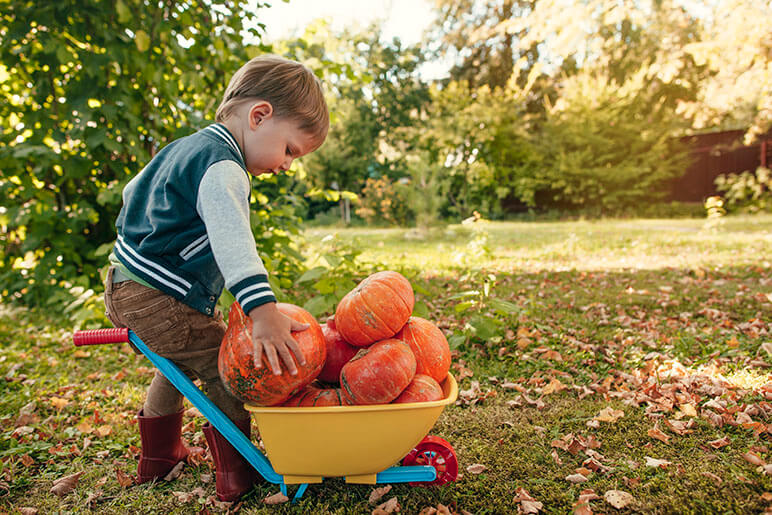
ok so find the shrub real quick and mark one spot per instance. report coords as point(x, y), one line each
point(384, 200)
point(747, 192)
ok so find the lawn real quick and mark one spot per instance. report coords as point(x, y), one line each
point(633, 356)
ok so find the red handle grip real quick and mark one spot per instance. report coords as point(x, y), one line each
point(100, 336)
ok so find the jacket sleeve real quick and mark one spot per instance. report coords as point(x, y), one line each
point(223, 205)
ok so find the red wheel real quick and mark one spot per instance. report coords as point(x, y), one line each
point(435, 452)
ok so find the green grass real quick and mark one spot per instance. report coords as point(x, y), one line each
point(615, 309)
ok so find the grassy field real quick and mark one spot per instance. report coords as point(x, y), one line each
point(635, 358)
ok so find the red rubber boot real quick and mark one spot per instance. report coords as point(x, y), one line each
point(162, 446)
point(234, 476)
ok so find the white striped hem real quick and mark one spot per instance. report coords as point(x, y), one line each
point(126, 250)
point(194, 247)
point(225, 135)
point(256, 296)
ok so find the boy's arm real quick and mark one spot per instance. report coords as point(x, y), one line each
point(223, 204)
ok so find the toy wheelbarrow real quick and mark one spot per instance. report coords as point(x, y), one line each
point(305, 445)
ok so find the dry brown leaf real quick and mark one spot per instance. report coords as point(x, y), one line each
point(390, 506)
point(123, 478)
point(753, 459)
point(714, 477)
point(618, 498)
point(721, 442)
point(582, 505)
point(85, 427)
point(554, 386)
point(576, 478)
point(609, 414)
point(103, 430)
point(442, 509)
point(429, 510)
point(656, 433)
point(277, 498)
point(66, 484)
point(27, 460)
point(175, 472)
point(377, 493)
point(28, 511)
point(477, 468)
point(653, 462)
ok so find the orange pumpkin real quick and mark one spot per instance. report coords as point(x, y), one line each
point(313, 396)
point(376, 309)
point(377, 374)
point(428, 343)
point(259, 386)
point(422, 388)
point(338, 353)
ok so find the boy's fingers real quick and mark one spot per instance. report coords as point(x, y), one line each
point(287, 358)
point(273, 359)
point(258, 354)
point(299, 326)
point(295, 348)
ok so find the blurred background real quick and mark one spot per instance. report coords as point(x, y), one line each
point(441, 111)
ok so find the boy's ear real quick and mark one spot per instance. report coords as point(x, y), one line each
point(260, 110)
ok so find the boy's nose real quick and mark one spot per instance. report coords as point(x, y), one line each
point(286, 164)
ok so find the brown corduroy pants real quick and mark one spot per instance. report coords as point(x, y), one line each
point(176, 331)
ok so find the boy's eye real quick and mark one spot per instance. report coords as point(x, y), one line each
point(289, 152)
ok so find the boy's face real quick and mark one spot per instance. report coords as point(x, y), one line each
point(271, 144)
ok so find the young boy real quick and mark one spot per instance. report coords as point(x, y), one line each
point(184, 234)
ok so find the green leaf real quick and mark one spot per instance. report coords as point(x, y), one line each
point(503, 305)
point(464, 294)
point(463, 306)
point(456, 340)
point(312, 274)
point(124, 14)
point(319, 305)
point(142, 40)
point(333, 260)
point(420, 309)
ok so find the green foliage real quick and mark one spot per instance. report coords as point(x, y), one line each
point(486, 316)
point(333, 277)
point(747, 192)
point(383, 200)
point(602, 145)
point(89, 94)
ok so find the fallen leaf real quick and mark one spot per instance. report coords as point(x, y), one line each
point(442, 509)
point(477, 468)
point(653, 462)
point(85, 427)
point(609, 414)
point(714, 477)
point(390, 506)
point(175, 472)
point(688, 410)
point(576, 478)
point(123, 478)
point(66, 484)
point(103, 430)
point(753, 458)
point(28, 511)
point(721, 442)
point(618, 498)
point(27, 460)
point(657, 434)
point(528, 504)
point(277, 498)
point(554, 386)
point(429, 510)
point(59, 402)
point(377, 493)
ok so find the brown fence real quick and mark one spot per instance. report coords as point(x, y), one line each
point(715, 154)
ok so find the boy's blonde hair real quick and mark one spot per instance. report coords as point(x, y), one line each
point(291, 88)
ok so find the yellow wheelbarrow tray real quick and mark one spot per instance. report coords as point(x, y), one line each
point(307, 444)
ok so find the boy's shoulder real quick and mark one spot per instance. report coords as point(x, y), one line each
point(213, 142)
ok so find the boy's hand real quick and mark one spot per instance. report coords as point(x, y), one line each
point(271, 333)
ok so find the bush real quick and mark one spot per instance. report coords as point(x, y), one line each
point(383, 200)
point(747, 192)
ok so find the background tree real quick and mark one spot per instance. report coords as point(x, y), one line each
point(90, 91)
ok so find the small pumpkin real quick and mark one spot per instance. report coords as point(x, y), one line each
point(378, 373)
point(422, 388)
point(260, 386)
point(313, 396)
point(375, 309)
point(338, 353)
point(428, 343)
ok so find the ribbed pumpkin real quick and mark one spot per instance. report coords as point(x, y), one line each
point(432, 353)
point(422, 388)
point(375, 309)
point(259, 386)
point(377, 374)
point(338, 353)
point(313, 396)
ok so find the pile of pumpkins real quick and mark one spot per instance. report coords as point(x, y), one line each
point(371, 352)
